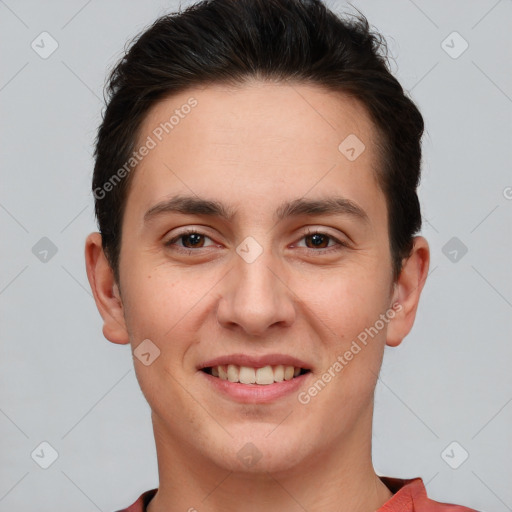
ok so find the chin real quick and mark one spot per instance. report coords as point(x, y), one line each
point(261, 452)
point(260, 462)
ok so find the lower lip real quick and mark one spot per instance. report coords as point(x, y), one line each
point(256, 393)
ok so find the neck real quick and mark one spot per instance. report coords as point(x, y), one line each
point(335, 480)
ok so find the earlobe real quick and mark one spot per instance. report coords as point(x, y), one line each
point(105, 290)
point(407, 291)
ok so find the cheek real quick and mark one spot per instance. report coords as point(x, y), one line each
point(351, 330)
point(167, 305)
point(346, 300)
point(153, 302)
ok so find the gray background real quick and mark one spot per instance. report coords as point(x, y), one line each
point(63, 383)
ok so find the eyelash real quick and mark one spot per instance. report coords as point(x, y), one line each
point(339, 244)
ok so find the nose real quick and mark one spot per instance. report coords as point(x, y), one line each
point(255, 297)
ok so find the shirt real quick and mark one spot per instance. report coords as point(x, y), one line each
point(409, 496)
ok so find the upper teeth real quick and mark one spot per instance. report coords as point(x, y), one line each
point(247, 375)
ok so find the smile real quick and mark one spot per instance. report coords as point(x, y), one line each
point(262, 376)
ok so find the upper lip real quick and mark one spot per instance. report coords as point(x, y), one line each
point(255, 361)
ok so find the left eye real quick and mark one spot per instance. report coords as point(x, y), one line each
point(318, 239)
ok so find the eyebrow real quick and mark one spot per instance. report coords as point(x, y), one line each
point(193, 205)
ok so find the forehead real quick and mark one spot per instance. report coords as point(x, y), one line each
point(275, 111)
point(259, 140)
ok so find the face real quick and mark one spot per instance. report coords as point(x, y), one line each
point(286, 266)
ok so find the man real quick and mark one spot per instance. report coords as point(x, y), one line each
point(255, 186)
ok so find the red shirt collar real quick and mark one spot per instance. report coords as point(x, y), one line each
point(409, 495)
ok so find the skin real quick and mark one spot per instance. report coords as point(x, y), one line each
point(253, 147)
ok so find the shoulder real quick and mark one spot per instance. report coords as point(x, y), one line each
point(141, 503)
point(410, 495)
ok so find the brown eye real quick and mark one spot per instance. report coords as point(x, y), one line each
point(189, 240)
point(194, 239)
point(319, 240)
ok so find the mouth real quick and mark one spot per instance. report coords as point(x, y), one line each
point(262, 376)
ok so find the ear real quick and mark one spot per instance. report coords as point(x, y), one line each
point(105, 290)
point(407, 291)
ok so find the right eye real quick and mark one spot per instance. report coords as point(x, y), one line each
point(190, 236)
